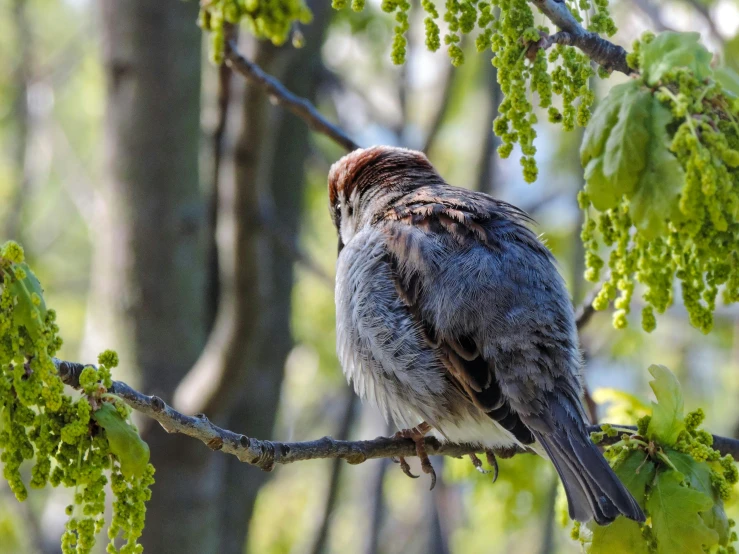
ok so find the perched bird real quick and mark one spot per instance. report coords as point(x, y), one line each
point(452, 318)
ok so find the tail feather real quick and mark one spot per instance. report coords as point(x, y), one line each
point(593, 490)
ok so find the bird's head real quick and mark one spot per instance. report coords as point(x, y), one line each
point(368, 180)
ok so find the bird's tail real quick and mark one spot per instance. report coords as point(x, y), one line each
point(593, 490)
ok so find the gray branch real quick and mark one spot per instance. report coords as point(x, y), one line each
point(598, 49)
point(281, 96)
point(265, 454)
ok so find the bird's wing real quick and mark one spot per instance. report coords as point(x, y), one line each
point(488, 297)
point(420, 233)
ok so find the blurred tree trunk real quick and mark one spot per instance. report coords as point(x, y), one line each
point(148, 276)
point(274, 166)
point(20, 118)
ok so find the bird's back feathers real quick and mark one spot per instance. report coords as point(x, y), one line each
point(450, 310)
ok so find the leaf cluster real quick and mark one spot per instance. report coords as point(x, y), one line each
point(676, 477)
point(661, 160)
point(73, 442)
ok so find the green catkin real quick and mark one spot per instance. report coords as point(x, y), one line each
point(504, 26)
point(267, 19)
point(39, 422)
point(700, 246)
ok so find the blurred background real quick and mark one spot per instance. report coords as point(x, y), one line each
point(173, 214)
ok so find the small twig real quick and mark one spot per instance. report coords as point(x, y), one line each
point(706, 14)
point(585, 312)
point(279, 94)
point(446, 85)
point(289, 244)
point(653, 12)
point(265, 454)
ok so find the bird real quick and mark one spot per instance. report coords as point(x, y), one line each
point(452, 318)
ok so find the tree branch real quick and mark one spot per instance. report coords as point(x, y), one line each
point(585, 312)
point(279, 94)
point(265, 454)
point(598, 49)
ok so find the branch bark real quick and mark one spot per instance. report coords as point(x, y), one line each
point(265, 454)
point(598, 49)
point(281, 96)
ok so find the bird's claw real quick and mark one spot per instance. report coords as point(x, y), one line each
point(492, 461)
point(417, 436)
point(405, 467)
point(478, 464)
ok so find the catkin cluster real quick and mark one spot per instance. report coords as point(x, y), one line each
point(681, 225)
point(57, 434)
point(523, 65)
point(266, 19)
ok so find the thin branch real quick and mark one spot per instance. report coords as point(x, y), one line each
point(446, 85)
point(598, 49)
point(288, 242)
point(279, 94)
point(706, 14)
point(585, 312)
point(265, 454)
point(654, 13)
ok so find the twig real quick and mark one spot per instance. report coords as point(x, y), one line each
point(706, 14)
point(585, 312)
point(598, 49)
point(653, 12)
point(446, 85)
point(265, 454)
point(289, 244)
point(279, 94)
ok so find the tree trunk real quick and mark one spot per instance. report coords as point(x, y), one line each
point(279, 184)
point(148, 277)
point(20, 121)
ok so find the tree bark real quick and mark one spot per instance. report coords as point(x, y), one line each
point(148, 278)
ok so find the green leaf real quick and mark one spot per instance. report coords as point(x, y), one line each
point(30, 308)
point(636, 471)
point(729, 80)
point(656, 195)
point(667, 412)
point(602, 121)
point(671, 50)
point(698, 475)
point(625, 151)
point(675, 512)
point(624, 535)
point(132, 452)
point(628, 143)
point(601, 191)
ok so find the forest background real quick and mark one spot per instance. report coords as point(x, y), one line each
point(114, 191)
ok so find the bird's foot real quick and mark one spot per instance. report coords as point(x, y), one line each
point(417, 434)
point(492, 461)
